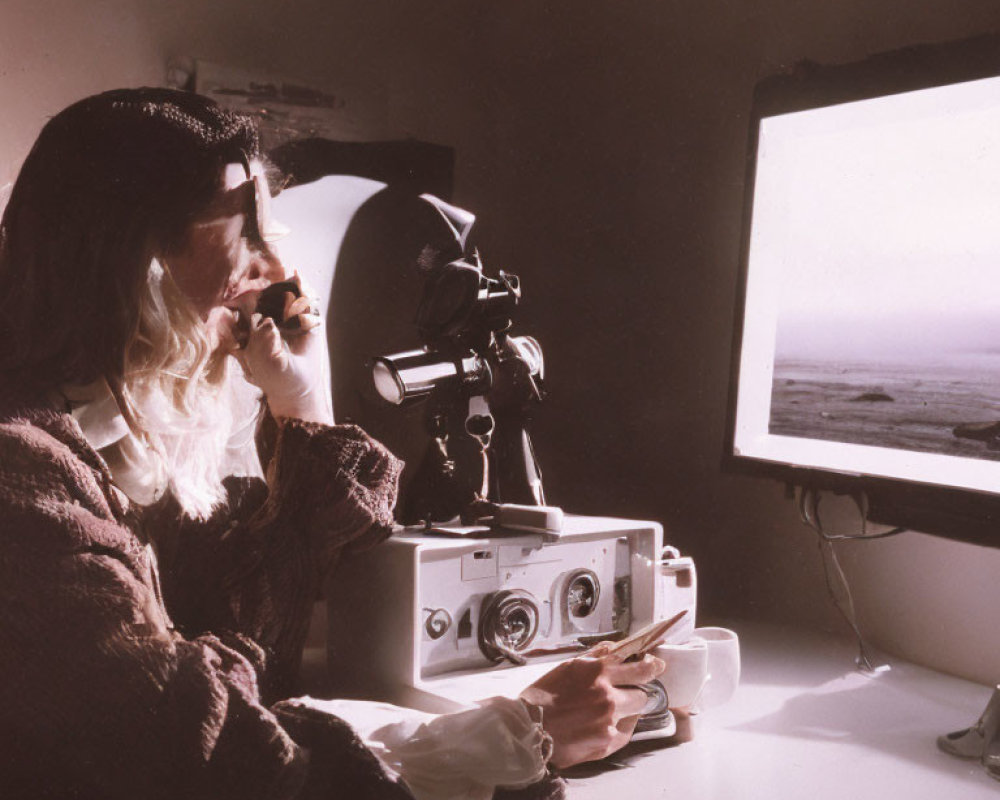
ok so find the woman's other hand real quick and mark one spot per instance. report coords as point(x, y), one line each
point(292, 369)
point(590, 705)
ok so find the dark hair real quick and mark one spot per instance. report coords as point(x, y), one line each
point(112, 182)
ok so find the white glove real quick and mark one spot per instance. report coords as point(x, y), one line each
point(291, 368)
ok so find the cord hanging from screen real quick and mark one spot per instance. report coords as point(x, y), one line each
point(808, 503)
point(809, 512)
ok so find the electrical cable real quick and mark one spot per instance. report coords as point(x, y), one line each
point(809, 512)
point(808, 504)
point(863, 660)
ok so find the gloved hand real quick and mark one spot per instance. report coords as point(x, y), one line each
point(291, 367)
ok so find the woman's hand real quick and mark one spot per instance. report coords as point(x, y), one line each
point(590, 704)
point(291, 369)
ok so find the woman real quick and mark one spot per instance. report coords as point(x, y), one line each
point(155, 579)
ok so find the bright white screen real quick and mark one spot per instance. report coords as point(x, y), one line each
point(872, 327)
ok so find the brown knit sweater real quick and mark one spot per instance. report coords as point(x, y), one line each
point(111, 687)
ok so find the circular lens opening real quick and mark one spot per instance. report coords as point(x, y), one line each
point(508, 623)
point(387, 383)
point(582, 593)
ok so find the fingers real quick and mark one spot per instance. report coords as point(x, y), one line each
point(296, 305)
point(307, 341)
point(626, 727)
point(628, 702)
point(263, 351)
point(309, 321)
point(265, 339)
point(303, 285)
point(599, 650)
point(633, 672)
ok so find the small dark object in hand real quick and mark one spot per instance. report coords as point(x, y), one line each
point(274, 302)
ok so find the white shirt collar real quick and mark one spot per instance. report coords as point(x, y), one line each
point(97, 413)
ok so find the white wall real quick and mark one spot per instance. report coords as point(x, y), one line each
point(53, 52)
point(602, 144)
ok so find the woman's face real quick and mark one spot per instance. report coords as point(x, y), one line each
point(223, 263)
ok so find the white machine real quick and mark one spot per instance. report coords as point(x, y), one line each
point(436, 622)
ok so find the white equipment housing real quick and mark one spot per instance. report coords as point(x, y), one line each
point(408, 620)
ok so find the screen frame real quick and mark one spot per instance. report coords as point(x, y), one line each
point(964, 514)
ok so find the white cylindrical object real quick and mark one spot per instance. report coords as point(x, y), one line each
point(723, 665)
point(686, 671)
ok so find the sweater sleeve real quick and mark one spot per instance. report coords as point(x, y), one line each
point(259, 563)
point(97, 692)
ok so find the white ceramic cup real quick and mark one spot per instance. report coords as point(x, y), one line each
point(686, 671)
point(723, 646)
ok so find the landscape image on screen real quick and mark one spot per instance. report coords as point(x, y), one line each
point(952, 410)
point(880, 245)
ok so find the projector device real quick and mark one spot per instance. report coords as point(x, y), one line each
point(436, 622)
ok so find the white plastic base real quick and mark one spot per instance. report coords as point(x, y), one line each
point(667, 730)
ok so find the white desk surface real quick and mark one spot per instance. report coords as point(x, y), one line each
point(806, 724)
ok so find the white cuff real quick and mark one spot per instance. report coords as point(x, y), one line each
point(464, 755)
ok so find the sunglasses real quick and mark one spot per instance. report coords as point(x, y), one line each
point(253, 198)
point(261, 225)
